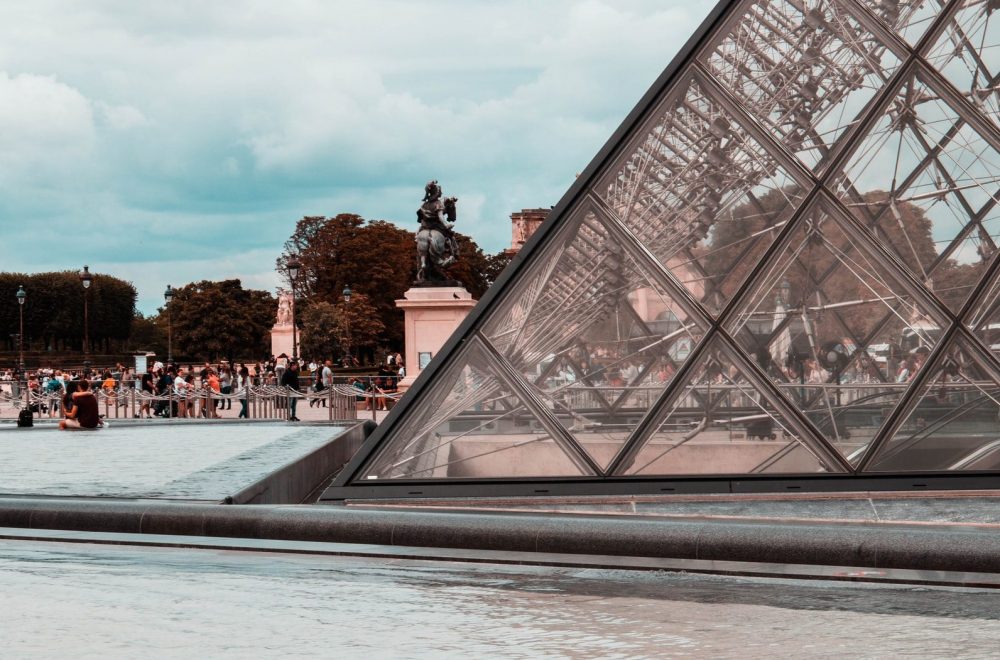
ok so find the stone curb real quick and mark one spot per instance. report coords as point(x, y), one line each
point(917, 547)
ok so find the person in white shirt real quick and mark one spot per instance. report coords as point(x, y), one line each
point(181, 388)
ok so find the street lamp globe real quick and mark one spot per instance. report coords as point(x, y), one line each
point(21, 295)
point(347, 293)
point(293, 266)
point(86, 277)
point(168, 295)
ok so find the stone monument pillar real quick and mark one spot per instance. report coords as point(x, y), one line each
point(432, 314)
point(281, 333)
point(436, 304)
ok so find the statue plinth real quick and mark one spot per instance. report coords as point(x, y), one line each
point(432, 314)
point(281, 339)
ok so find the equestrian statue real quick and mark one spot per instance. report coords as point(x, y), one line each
point(436, 242)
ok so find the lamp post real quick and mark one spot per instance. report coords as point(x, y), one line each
point(168, 295)
point(293, 266)
point(85, 278)
point(21, 295)
point(347, 318)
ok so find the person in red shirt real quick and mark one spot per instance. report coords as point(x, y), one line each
point(85, 413)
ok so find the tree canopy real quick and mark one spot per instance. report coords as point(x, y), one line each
point(213, 320)
point(378, 260)
point(54, 310)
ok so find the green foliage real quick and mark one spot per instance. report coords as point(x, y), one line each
point(212, 320)
point(378, 260)
point(329, 331)
point(318, 339)
point(148, 334)
point(54, 310)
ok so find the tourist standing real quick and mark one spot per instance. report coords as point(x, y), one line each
point(226, 381)
point(146, 392)
point(290, 379)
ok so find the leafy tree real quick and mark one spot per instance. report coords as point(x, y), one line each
point(212, 320)
point(318, 339)
point(357, 325)
point(148, 334)
point(377, 259)
point(495, 265)
point(54, 311)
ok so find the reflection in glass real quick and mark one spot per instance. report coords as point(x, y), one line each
point(836, 330)
point(965, 53)
point(719, 423)
point(595, 333)
point(955, 424)
point(700, 192)
point(806, 70)
point(925, 182)
point(473, 425)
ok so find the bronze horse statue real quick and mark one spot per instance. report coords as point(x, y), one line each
point(436, 244)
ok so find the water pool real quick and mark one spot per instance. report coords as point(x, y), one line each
point(78, 600)
point(191, 461)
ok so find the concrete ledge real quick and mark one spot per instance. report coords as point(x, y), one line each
point(914, 547)
point(298, 482)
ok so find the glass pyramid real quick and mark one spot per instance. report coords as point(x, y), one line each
point(781, 272)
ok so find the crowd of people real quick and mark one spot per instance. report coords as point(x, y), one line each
point(173, 390)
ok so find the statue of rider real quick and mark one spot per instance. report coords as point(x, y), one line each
point(433, 211)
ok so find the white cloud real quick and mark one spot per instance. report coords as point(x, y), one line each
point(189, 128)
point(46, 129)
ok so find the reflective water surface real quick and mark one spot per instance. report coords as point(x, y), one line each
point(189, 461)
point(60, 600)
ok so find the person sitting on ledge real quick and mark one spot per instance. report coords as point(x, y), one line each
point(84, 414)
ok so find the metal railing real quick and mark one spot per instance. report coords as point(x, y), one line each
point(267, 401)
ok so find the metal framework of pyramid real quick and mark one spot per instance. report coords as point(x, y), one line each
point(781, 272)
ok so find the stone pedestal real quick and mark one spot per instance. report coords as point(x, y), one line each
point(281, 339)
point(432, 315)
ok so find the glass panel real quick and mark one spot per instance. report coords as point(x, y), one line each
point(596, 335)
point(836, 331)
point(925, 182)
point(690, 181)
point(719, 424)
point(907, 18)
point(470, 424)
point(954, 424)
point(805, 70)
point(968, 54)
point(984, 317)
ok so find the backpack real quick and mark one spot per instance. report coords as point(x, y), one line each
point(25, 419)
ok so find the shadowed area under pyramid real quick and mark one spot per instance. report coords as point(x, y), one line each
point(783, 265)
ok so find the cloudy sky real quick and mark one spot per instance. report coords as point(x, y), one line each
point(176, 141)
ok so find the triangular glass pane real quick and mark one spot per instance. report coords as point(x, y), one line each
point(907, 18)
point(677, 185)
point(983, 320)
point(470, 425)
point(836, 331)
point(805, 70)
point(718, 423)
point(967, 54)
point(596, 334)
point(954, 423)
point(926, 183)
